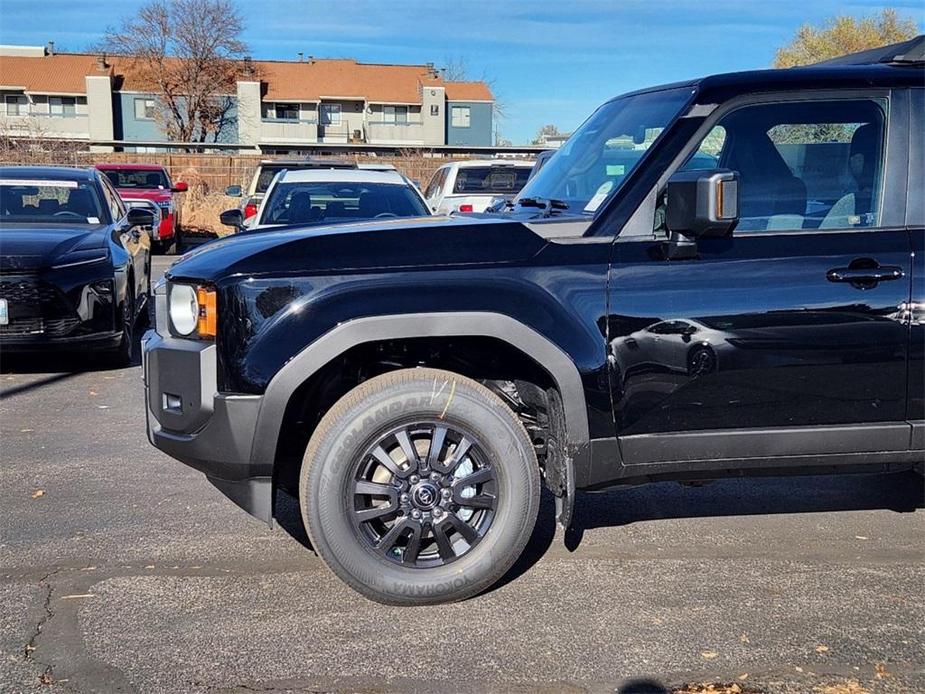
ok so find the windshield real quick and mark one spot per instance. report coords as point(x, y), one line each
point(132, 178)
point(332, 202)
point(595, 161)
point(491, 180)
point(47, 201)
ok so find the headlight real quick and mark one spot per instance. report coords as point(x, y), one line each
point(192, 310)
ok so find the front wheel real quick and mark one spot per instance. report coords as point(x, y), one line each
point(122, 355)
point(419, 487)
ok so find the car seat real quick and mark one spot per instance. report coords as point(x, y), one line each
point(854, 209)
point(770, 196)
point(81, 202)
point(300, 207)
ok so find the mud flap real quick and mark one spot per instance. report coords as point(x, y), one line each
point(565, 503)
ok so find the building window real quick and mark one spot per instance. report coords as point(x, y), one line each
point(434, 110)
point(62, 105)
point(282, 111)
point(330, 114)
point(459, 117)
point(395, 114)
point(144, 109)
point(17, 105)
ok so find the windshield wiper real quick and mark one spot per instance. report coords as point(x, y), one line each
point(547, 204)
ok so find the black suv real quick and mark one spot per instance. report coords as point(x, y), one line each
point(720, 277)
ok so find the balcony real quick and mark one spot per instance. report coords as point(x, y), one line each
point(288, 130)
point(42, 125)
point(381, 133)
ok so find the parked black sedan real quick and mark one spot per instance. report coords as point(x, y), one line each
point(75, 265)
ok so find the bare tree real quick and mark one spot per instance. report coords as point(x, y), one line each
point(456, 69)
point(188, 54)
point(841, 35)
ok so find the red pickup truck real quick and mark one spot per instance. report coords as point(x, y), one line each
point(150, 182)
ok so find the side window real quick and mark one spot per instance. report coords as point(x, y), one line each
point(801, 165)
point(436, 184)
point(113, 201)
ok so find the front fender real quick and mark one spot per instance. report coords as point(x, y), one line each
point(450, 324)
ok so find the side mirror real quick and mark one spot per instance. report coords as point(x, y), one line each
point(180, 187)
point(139, 217)
point(233, 191)
point(703, 203)
point(232, 218)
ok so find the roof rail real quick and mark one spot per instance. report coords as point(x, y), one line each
point(909, 52)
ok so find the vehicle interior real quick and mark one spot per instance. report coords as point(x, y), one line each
point(57, 202)
point(812, 165)
point(316, 203)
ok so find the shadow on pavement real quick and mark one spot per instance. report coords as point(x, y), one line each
point(642, 686)
point(903, 492)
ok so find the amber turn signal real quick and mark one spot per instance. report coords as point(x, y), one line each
point(207, 325)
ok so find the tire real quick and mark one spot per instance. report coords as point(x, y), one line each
point(456, 562)
point(122, 355)
point(701, 361)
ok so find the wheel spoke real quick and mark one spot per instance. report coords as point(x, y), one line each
point(387, 541)
point(436, 446)
point(413, 548)
point(374, 489)
point(444, 546)
point(467, 531)
point(367, 514)
point(477, 501)
point(386, 461)
point(461, 450)
point(480, 476)
point(408, 449)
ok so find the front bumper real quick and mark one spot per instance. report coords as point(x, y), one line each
point(191, 421)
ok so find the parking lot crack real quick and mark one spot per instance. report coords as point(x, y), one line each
point(48, 614)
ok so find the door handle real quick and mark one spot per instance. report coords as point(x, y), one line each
point(883, 273)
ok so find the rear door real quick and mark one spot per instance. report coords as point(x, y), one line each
point(799, 346)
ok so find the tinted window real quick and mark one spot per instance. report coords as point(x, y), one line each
point(59, 202)
point(809, 165)
point(145, 180)
point(597, 158)
point(484, 180)
point(319, 203)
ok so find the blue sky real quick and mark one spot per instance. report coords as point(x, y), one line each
point(551, 62)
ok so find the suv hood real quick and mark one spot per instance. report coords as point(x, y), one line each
point(38, 246)
point(416, 242)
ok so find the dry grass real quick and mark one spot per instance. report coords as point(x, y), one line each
point(200, 207)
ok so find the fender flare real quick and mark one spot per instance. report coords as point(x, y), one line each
point(312, 358)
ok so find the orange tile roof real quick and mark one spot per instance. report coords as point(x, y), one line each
point(284, 81)
point(468, 91)
point(61, 73)
point(312, 81)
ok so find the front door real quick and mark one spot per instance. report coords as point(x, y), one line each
point(788, 337)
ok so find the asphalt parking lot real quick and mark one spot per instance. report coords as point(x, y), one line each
point(123, 570)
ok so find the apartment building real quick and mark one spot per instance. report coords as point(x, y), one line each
point(278, 106)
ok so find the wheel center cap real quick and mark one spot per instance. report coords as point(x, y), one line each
point(425, 495)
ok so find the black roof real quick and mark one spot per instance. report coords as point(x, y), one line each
point(893, 66)
point(54, 173)
point(911, 51)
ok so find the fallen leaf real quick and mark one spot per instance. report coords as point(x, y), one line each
point(798, 668)
point(744, 638)
point(822, 649)
point(45, 678)
point(38, 493)
point(743, 676)
point(861, 537)
point(880, 671)
point(92, 392)
point(709, 655)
